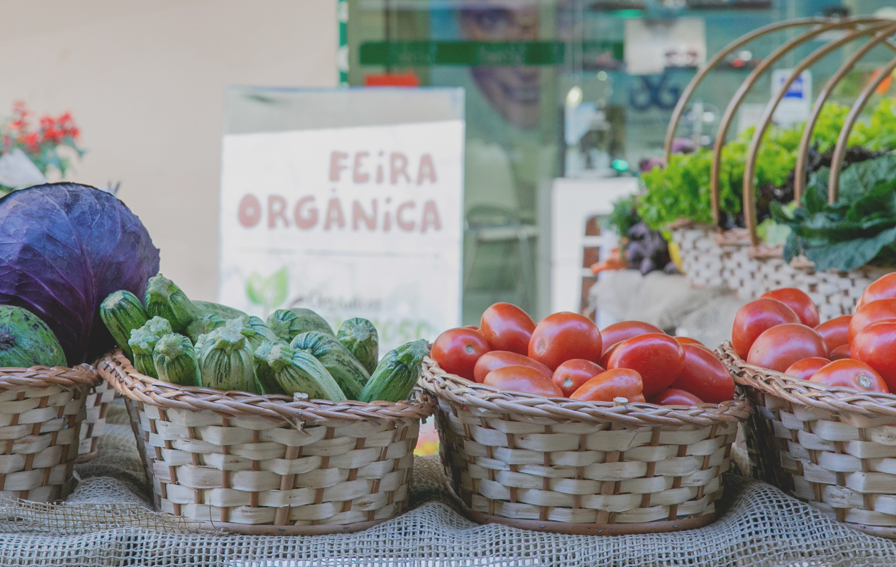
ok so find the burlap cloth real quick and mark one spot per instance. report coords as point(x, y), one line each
point(108, 520)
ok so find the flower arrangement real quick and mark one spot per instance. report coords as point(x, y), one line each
point(42, 141)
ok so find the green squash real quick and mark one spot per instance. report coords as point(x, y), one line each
point(164, 299)
point(254, 329)
point(359, 336)
point(264, 374)
point(201, 308)
point(338, 361)
point(122, 312)
point(26, 341)
point(287, 323)
point(143, 343)
point(204, 324)
point(397, 373)
point(295, 371)
point(225, 361)
point(175, 360)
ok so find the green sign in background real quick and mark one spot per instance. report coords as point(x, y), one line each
point(476, 53)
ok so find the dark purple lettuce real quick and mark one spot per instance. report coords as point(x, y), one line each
point(63, 248)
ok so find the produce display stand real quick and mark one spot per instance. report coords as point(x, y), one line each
point(738, 257)
point(109, 521)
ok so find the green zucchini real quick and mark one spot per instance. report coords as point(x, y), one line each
point(122, 312)
point(204, 324)
point(201, 308)
point(143, 343)
point(225, 361)
point(338, 361)
point(264, 374)
point(254, 329)
point(287, 323)
point(164, 299)
point(359, 336)
point(397, 373)
point(296, 371)
point(175, 360)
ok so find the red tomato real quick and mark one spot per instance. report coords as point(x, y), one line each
point(805, 368)
point(507, 327)
point(835, 332)
point(612, 384)
point(564, 336)
point(605, 359)
point(705, 376)
point(871, 312)
point(522, 379)
point(799, 301)
point(500, 358)
point(457, 351)
point(573, 373)
point(840, 352)
point(689, 341)
point(875, 345)
point(618, 332)
point(850, 374)
point(658, 359)
point(675, 397)
point(756, 317)
point(882, 288)
point(779, 347)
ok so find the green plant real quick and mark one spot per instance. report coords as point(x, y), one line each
point(860, 228)
point(269, 292)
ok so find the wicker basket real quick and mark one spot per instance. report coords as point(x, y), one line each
point(41, 410)
point(267, 464)
point(834, 448)
point(97, 404)
point(711, 258)
point(580, 467)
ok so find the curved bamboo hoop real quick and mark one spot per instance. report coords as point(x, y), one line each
point(740, 95)
point(851, 118)
point(799, 181)
point(883, 30)
point(718, 58)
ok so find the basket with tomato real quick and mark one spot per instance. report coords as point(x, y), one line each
point(824, 429)
point(558, 426)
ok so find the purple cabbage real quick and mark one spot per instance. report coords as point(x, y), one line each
point(63, 248)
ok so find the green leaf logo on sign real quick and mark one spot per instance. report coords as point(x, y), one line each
point(269, 292)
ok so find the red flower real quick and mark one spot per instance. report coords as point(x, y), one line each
point(17, 125)
point(31, 141)
point(53, 135)
point(47, 122)
point(7, 143)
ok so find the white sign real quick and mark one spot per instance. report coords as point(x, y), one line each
point(797, 102)
point(573, 202)
point(350, 222)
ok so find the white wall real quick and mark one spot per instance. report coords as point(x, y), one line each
point(145, 82)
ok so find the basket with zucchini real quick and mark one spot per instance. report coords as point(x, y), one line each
point(276, 426)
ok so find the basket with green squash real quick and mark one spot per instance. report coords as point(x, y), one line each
point(277, 426)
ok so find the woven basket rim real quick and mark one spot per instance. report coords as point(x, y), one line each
point(803, 392)
point(46, 376)
point(639, 414)
point(118, 371)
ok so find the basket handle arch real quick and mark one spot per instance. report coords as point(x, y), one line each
point(881, 31)
point(704, 70)
point(851, 118)
point(744, 89)
point(802, 155)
